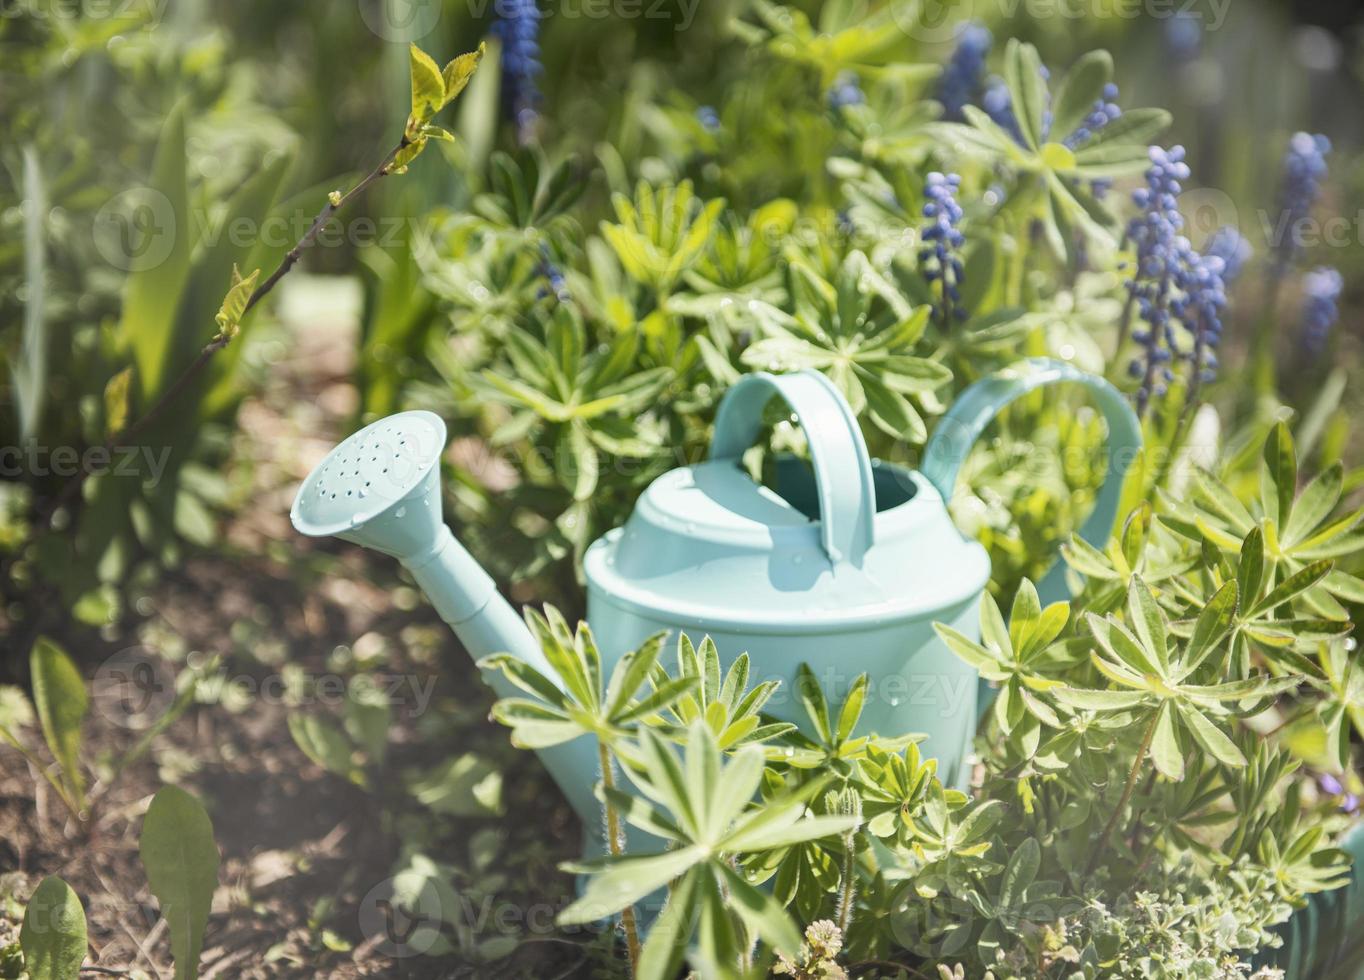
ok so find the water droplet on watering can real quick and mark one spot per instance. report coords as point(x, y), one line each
point(402, 512)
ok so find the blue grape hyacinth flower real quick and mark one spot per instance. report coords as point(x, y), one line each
point(1199, 307)
point(1162, 256)
point(963, 76)
point(1103, 112)
point(555, 284)
point(846, 91)
point(518, 27)
point(1320, 295)
point(1232, 248)
point(940, 257)
point(1304, 168)
point(999, 106)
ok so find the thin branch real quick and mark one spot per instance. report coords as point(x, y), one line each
point(1126, 795)
point(222, 339)
point(616, 841)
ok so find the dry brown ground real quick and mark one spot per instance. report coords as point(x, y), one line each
point(301, 848)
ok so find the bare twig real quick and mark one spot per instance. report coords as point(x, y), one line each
point(130, 432)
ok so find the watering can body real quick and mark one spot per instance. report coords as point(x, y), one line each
point(844, 565)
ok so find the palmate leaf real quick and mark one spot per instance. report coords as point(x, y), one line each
point(1166, 754)
point(1213, 740)
point(1211, 628)
point(625, 880)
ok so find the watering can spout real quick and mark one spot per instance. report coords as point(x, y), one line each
point(467, 599)
point(381, 489)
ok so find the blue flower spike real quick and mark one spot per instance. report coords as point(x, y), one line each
point(940, 257)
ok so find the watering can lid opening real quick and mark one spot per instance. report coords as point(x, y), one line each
point(707, 543)
point(374, 469)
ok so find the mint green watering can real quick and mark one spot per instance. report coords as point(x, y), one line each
point(845, 565)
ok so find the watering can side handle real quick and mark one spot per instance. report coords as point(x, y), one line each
point(977, 407)
point(847, 498)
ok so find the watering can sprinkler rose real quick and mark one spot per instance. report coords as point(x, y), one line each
point(844, 566)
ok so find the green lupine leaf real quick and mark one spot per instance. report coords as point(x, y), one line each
point(626, 880)
point(1099, 700)
point(1297, 583)
point(1136, 530)
point(1243, 689)
point(811, 696)
point(1023, 75)
point(1342, 585)
point(524, 676)
point(1122, 646)
point(1020, 872)
point(1080, 89)
point(1250, 569)
point(1332, 540)
point(852, 709)
point(1213, 740)
point(1279, 478)
point(1088, 560)
point(993, 632)
point(985, 134)
point(660, 699)
point(1314, 505)
point(1134, 126)
point(762, 915)
point(181, 863)
point(979, 657)
point(1024, 616)
point(666, 783)
point(1148, 621)
point(1224, 502)
point(562, 658)
point(52, 936)
point(661, 957)
point(632, 671)
point(1211, 628)
point(1166, 754)
point(640, 813)
point(578, 459)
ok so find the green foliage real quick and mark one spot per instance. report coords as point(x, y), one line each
point(59, 695)
point(53, 934)
point(181, 862)
point(700, 805)
point(433, 88)
point(61, 703)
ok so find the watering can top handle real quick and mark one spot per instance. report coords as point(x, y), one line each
point(977, 407)
point(847, 499)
